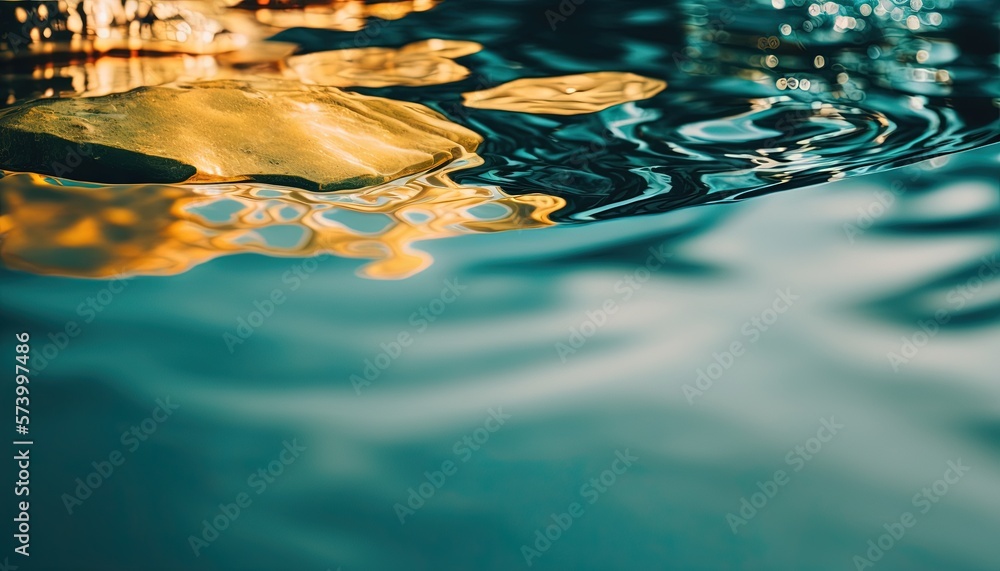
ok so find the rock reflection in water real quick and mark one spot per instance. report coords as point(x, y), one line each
point(53, 226)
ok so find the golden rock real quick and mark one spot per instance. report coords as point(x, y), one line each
point(279, 132)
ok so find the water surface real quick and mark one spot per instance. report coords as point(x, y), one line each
point(557, 279)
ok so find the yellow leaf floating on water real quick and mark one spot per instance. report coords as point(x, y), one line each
point(430, 62)
point(566, 95)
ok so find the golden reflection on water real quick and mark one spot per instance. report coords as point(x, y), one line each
point(96, 47)
point(342, 15)
point(50, 226)
point(566, 95)
point(87, 26)
point(55, 226)
point(429, 62)
point(105, 75)
point(183, 26)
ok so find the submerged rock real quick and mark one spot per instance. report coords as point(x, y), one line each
point(319, 138)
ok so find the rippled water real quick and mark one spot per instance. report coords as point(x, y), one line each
point(867, 263)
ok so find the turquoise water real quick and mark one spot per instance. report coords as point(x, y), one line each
point(494, 346)
point(759, 384)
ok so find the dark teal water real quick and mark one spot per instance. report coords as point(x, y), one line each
point(843, 335)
